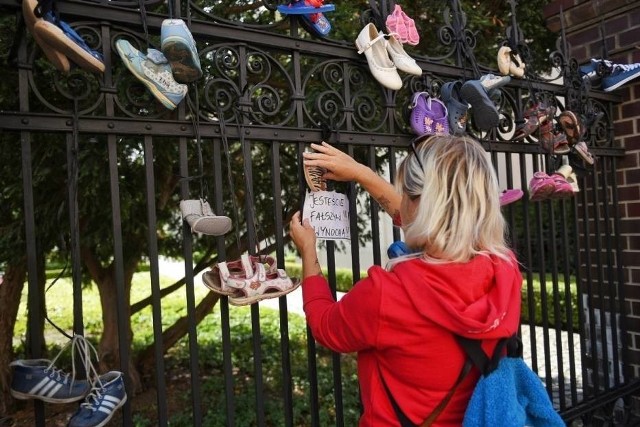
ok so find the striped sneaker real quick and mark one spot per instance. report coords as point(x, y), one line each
point(40, 379)
point(108, 394)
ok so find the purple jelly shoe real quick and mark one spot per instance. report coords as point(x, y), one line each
point(428, 115)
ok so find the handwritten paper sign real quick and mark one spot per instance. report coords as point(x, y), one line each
point(328, 213)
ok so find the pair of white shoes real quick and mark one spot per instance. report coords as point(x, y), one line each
point(385, 56)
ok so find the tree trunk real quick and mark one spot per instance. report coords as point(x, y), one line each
point(109, 346)
point(172, 335)
point(11, 286)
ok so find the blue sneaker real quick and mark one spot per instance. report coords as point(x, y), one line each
point(108, 394)
point(179, 48)
point(154, 71)
point(595, 69)
point(620, 74)
point(39, 379)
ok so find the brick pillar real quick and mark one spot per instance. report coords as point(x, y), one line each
point(587, 24)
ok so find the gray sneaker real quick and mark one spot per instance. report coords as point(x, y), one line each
point(154, 71)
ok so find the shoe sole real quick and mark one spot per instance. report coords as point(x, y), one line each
point(183, 65)
point(57, 59)
point(242, 301)
point(113, 411)
point(62, 43)
point(485, 114)
point(212, 284)
point(618, 84)
point(143, 79)
point(27, 396)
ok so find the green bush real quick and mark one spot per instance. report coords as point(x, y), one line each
point(344, 277)
point(551, 300)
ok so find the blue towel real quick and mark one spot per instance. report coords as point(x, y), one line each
point(511, 396)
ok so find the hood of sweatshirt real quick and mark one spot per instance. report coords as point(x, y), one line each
point(478, 299)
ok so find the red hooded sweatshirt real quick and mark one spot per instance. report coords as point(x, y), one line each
point(401, 323)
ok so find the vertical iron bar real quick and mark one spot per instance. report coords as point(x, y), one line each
point(187, 252)
point(615, 356)
point(74, 227)
point(287, 389)
point(156, 306)
point(123, 333)
point(374, 210)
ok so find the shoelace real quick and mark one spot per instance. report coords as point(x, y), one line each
point(625, 67)
point(93, 397)
point(85, 349)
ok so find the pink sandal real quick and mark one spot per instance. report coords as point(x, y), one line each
point(582, 150)
point(511, 195)
point(402, 26)
point(262, 285)
point(217, 278)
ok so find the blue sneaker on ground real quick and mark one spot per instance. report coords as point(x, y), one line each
point(39, 379)
point(179, 47)
point(154, 71)
point(108, 394)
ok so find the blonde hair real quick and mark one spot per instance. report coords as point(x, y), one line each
point(458, 215)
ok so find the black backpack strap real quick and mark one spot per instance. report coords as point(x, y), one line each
point(405, 421)
point(474, 350)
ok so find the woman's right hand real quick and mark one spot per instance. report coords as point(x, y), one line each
point(339, 165)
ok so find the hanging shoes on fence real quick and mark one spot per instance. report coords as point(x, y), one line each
point(485, 114)
point(250, 280)
point(311, 15)
point(179, 47)
point(107, 395)
point(59, 40)
point(535, 116)
point(57, 59)
point(154, 71)
point(399, 57)
point(372, 44)
point(510, 63)
point(428, 115)
point(40, 379)
point(457, 109)
point(199, 215)
point(402, 26)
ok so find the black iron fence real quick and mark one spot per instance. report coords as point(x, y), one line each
point(104, 165)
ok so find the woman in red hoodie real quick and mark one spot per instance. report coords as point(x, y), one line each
point(463, 280)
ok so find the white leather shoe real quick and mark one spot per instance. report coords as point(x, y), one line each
point(372, 45)
point(400, 58)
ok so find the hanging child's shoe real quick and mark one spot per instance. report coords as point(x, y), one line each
point(199, 215)
point(40, 379)
point(57, 59)
point(154, 71)
point(372, 44)
point(64, 39)
point(311, 15)
point(108, 394)
point(179, 47)
point(400, 57)
point(456, 109)
point(428, 115)
point(485, 113)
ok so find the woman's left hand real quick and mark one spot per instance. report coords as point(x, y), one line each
point(303, 235)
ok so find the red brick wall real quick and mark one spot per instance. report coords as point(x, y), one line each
point(586, 22)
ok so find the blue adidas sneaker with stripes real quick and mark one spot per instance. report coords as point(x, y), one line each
point(39, 379)
point(108, 394)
